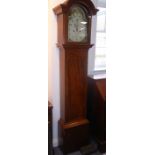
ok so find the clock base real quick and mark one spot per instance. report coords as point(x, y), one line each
point(73, 136)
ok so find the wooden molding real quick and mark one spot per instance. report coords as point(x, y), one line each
point(63, 8)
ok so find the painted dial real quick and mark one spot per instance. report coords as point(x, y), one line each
point(77, 25)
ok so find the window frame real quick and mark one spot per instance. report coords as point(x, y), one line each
point(92, 52)
point(103, 32)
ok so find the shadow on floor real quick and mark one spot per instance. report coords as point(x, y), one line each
point(57, 151)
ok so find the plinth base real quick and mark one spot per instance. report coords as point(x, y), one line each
point(72, 136)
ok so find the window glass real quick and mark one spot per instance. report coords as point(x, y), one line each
point(100, 50)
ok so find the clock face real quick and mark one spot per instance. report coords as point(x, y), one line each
point(77, 25)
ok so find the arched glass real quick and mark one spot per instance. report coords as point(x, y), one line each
point(77, 24)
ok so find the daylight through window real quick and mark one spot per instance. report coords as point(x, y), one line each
point(100, 54)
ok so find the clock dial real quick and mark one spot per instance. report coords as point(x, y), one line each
point(77, 25)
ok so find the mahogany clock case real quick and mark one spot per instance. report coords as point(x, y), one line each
point(73, 124)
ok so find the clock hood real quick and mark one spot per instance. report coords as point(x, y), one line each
point(64, 7)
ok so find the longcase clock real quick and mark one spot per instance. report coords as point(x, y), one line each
point(74, 19)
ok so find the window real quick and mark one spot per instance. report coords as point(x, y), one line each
point(100, 49)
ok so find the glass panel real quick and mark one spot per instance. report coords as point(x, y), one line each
point(101, 18)
point(100, 57)
point(77, 25)
point(100, 39)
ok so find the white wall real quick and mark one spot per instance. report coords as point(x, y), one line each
point(53, 66)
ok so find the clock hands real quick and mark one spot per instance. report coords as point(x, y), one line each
point(78, 25)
